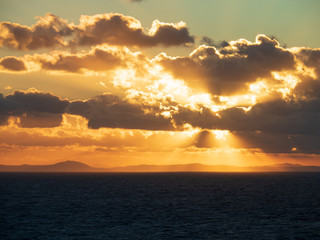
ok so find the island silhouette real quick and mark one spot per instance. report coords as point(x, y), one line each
point(75, 166)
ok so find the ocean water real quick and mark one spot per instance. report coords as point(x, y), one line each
point(160, 206)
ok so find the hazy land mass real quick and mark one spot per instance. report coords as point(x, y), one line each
point(74, 166)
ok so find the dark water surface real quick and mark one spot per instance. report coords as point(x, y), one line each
point(160, 206)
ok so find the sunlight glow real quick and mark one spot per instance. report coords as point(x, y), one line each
point(123, 78)
point(230, 101)
point(259, 87)
point(289, 80)
point(221, 134)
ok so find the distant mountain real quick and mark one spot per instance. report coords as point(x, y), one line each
point(289, 167)
point(197, 167)
point(193, 167)
point(74, 166)
point(67, 166)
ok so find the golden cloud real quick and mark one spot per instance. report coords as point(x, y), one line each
point(111, 28)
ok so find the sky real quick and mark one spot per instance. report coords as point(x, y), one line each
point(124, 82)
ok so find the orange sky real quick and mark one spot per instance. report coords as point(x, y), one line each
point(91, 91)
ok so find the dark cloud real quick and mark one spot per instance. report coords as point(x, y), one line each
point(40, 120)
point(291, 117)
point(203, 118)
point(35, 109)
point(12, 64)
point(34, 101)
point(275, 126)
point(230, 70)
point(287, 118)
point(310, 58)
point(3, 118)
point(269, 143)
point(308, 88)
point(279, 143)
point(113, 112)
point(210, 42)
point(117, 29)
point(274, 117)
point(50, 31)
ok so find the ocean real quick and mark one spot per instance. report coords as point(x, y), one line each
point(159, 206)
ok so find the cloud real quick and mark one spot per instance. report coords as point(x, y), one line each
point(112, 112)
point(75, 132)
point(12, 64)
point(98, 59)
point(292, 117)
point(202, 118)
point(39, 109)
point(232, 68)
point(48, 32)
point(277, 116)
point(117, 29)
point(35, 109)
point(35, 101)
point(284, 120)
point(310, 58)
point(278, 125)
point(40, 120)
point(3, 117)
point(279, 143)
point(51, 31)
point(205, 40)
point(275, 126)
